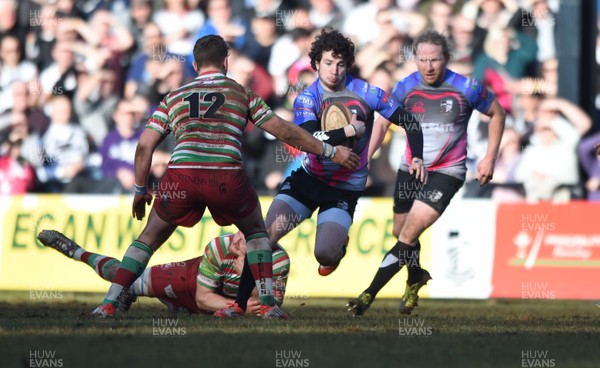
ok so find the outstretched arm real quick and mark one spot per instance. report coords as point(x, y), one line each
point(304, 141)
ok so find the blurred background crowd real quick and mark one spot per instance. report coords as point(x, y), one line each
point(79, 78)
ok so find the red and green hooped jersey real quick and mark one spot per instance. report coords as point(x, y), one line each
point(216, 271)
point(207, 117)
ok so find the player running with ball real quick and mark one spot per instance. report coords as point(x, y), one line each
point(321, 183)
point(443, 102)
point(207, 118)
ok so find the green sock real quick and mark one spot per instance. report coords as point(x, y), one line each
point(261, 265)
point(134, 263)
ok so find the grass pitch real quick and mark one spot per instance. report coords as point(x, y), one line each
point(54, 330)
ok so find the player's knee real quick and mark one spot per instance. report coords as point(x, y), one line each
point(270, 222)
point(399, 224)
point(276, 231)
point(409, 237)
point(327, 257)
point(411, 232)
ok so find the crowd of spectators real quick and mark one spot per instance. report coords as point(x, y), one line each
point(78, 79)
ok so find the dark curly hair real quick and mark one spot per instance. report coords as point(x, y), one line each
point(332, 40)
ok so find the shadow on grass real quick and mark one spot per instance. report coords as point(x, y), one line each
point(440, 334)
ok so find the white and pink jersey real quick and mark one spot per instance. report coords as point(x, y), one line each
point(443, 112)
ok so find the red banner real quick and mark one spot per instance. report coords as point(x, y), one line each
point(547, 251)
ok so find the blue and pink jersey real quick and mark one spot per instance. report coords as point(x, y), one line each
point(443, 113)
point(363, 100)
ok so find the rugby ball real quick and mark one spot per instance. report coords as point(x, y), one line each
point(337, 115)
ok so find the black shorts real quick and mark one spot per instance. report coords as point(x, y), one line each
point(437, 193)
point(313, 193)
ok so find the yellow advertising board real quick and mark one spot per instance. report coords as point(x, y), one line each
point(103, 224)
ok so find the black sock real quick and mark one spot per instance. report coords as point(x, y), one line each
point(385, 273)
point(247, 284)
point(410, 256)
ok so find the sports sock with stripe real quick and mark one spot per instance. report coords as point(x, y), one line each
point(410, 256)
point(134, 263)
point(389, 267)
point(104, 266)
point(260, 260)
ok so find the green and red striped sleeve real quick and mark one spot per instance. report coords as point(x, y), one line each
point(210, 272)
point(281, 270)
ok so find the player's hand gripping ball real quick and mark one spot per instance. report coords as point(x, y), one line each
point(337, 115)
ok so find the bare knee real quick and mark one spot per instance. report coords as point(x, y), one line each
point(156, 232)
point(252, 224)
point(399, 222)
point(330, 251)
point(420, 217)
point(152, 240)
point(281, 219)
point(411, 233)
point(276, 231)
point(331, 242)
point(406, 239)
point(396, 231)
point(154, 236)
point(326, 257)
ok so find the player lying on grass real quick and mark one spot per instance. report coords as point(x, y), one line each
point(207, 117)
point(320, 183)
point(200, 285)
